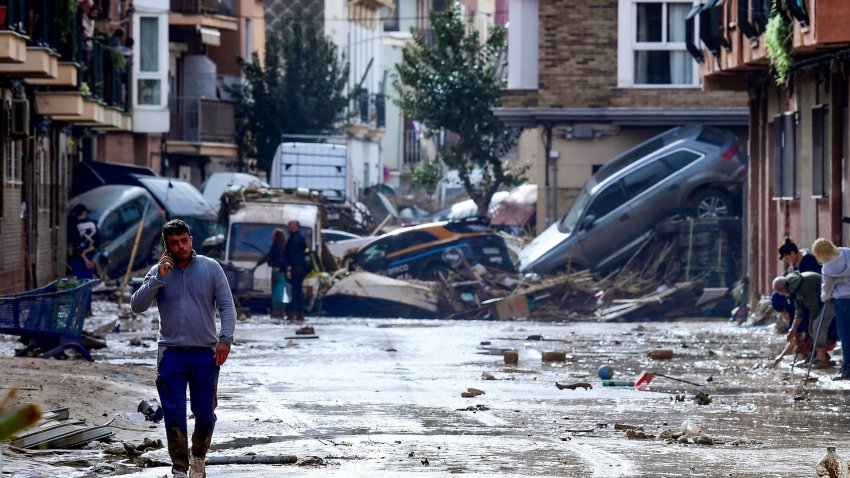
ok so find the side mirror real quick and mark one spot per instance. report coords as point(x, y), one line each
point(587, 222)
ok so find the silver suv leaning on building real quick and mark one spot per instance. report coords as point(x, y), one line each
point(691, 169)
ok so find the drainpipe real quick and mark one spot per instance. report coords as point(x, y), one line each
point(554, 154)
point(547, 148)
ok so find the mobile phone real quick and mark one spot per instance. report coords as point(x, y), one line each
point(165, 248)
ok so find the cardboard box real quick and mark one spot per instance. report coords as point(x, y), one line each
point(510, 307)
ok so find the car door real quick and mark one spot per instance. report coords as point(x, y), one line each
point(600, 226)
point(651, 200)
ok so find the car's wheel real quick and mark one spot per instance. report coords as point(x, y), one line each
point(435, 270)
point(712, 203)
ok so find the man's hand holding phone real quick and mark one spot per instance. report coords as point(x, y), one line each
point(166, 263)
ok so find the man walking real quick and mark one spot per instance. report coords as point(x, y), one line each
point(188, 288)
point(295, 258)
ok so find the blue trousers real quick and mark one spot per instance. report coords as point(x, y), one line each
point(178, 368)
point(842, 322)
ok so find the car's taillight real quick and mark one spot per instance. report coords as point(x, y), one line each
point(730, 153)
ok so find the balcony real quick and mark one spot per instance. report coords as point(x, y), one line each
point(13, 41)
point(203, 13)
point(367, 115)
point(202, 120)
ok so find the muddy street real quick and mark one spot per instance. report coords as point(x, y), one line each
point(383, 397)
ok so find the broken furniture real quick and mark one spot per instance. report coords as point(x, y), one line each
point(49, 319)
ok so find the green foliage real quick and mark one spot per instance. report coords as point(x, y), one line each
point(116, 58)
point(453, 84)
point(426, 176)
point(777, 42)
point(297, 89)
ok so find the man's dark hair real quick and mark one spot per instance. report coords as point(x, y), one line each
point(175, 226)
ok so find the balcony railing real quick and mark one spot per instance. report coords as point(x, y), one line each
point(369, 109)
point(412, 147)
point(211, 7)
point(198, 120)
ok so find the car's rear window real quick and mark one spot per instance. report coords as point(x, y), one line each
point(713, 136)
point(678, 160)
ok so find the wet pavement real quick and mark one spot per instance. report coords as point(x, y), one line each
point(383, 398)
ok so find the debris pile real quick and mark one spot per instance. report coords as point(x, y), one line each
point(56, 430)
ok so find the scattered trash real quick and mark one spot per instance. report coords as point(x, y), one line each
point(690, 428)
point(425, 462)
point(487, 376)
point(831, 465)
point(702, 440)
point(136, 342)
point(554, 357)
point(312, 461)
point(511, 357)
point(605, 372)
point(618, 383)
point(534, 337)
point(472, 392)
point(573, 386)
point(620, 426)
point(660, 354)
point(252, 459)
point(474, 408)
point(702, 398)
point(646, 377)
point(152, 411)
point(638, 435)
point(306, 330)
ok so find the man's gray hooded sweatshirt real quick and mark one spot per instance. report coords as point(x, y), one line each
point(187, 301)
point(836, 276)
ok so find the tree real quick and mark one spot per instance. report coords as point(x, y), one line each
point(298, 89)
point(453, 84)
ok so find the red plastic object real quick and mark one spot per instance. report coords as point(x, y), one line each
point(644, 379)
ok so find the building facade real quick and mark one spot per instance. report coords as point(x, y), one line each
point(798, 133)
point(588, 80)
point(205, 40)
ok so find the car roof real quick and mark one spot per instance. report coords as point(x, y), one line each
point(103, 199)
point(644, 149)
point(178, 197)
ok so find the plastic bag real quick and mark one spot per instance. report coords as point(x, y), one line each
point(287, 293)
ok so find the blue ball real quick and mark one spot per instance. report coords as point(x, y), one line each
point(606, 372)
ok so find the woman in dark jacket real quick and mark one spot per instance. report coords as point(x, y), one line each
point(275, 259)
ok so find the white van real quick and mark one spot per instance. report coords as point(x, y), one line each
point(249, 236)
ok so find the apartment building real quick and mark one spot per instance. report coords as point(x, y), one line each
point(404, 144)
point(588, 80)
point(205, 39)
point(62, 91)
point(798, 127)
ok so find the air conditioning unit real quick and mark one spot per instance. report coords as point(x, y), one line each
point(19, 119)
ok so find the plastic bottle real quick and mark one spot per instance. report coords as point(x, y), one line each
point(830, 465)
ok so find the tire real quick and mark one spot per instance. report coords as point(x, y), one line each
point(712, 203)
point(433, 271)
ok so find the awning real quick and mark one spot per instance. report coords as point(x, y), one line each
point(210, 36)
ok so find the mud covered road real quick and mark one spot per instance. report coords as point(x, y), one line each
point(383, 398)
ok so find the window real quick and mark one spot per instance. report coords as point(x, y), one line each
point(374, 257)
point(606, 201)
point(785, 156)
point(652, 47)
point(110, 228)
point(820, 151)
point(645, 177)
point(13, 162)
point(150, 65)
point(680, 159)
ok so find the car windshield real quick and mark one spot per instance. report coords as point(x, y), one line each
point(570, 220)
point(250, 242)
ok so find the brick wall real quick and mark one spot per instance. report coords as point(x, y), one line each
point(578, 63)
